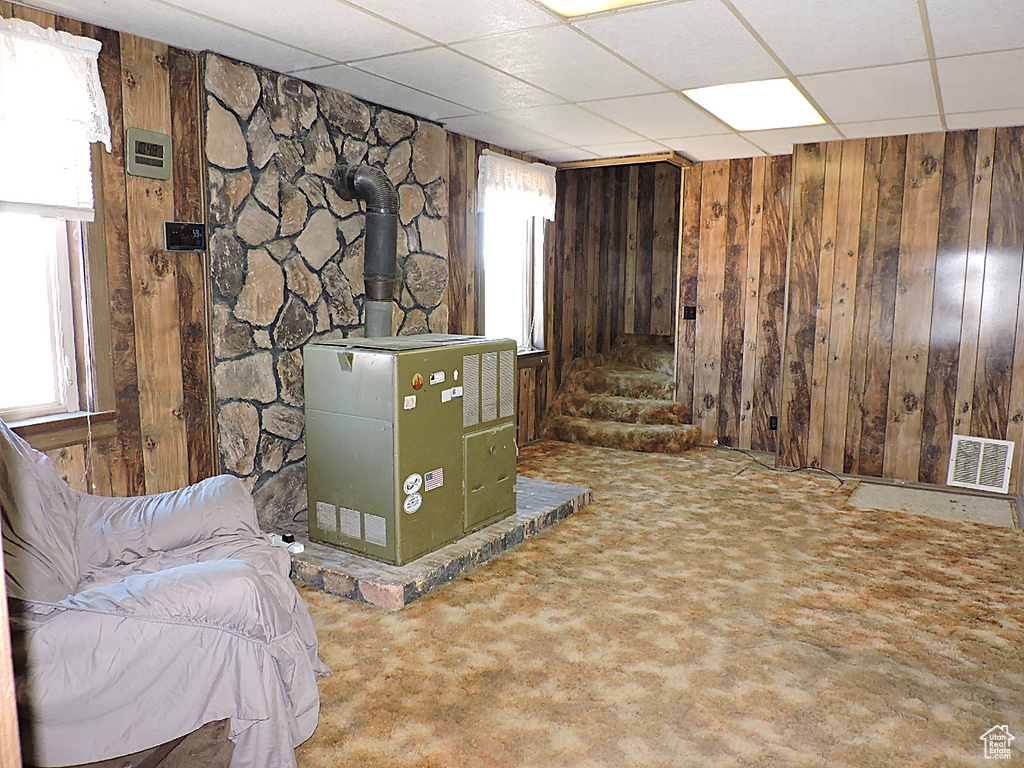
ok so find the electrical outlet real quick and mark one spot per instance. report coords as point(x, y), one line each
point(689, 312)
point(773, 422)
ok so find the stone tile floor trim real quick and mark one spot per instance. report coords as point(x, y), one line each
point(540, 504)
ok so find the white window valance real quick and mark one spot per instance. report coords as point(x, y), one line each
point(51, 110)
point(526, 189)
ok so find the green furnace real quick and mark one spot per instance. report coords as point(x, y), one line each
point(410, 440)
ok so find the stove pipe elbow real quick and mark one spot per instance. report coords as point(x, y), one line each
point(380, 270)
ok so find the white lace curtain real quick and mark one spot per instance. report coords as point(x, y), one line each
point(527, 189)
point(51, 110)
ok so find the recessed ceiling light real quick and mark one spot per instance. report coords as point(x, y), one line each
point(569, 8)
point(757, 106)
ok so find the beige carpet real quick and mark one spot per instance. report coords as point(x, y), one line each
point(702, 612)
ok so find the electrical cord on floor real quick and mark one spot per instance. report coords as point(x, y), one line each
point(786, 470)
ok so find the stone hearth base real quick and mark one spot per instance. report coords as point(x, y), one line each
point(540, 504)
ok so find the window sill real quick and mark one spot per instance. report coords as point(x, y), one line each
point(46, 433)
point(533, 358)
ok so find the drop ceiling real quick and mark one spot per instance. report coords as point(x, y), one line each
point(513, 73)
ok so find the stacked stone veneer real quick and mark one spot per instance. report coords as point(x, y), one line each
point(286, 252)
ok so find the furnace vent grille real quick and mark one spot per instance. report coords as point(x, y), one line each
point(507, 369)
point(326, 517)
point(976, 462)
point(376, 529)
point(488, 386)
point(351, 524)
point(470, 390)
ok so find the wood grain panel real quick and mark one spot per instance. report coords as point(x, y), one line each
point(823, 302)
point(974, 283)
point(733, 302)
point(593, 248)
point(947, 305)
point(844, 285)
point(714, 218)
point(129, 464)
point(644, 278)
point(154, 275)
point(689, 259)
point(914, 292)
point(751, 298)
point(192, 268)
point(664, 248)
point(632, 230)
point(461, 253)
point(804, 252)
point(1001, 290)
point(862, 304)
point(771, 309)
point(885, 265)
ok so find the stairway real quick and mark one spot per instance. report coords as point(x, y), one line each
point(624, 399)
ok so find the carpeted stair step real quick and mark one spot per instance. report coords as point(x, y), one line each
point(637, 410)
point(660, 359)
point(648, 438)
point(622, 381)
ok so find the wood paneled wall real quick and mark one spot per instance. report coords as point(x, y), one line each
point(157, 300)
point(906, 308)
point(612, 258)
point(464, 293)
point(732, 268)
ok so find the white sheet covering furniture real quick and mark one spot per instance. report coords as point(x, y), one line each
point(137, 620)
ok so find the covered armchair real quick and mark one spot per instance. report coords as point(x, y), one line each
point(138, 620)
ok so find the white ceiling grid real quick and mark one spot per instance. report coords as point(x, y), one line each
point(513, 73)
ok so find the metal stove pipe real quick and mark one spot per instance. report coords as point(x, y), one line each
point(380, 271)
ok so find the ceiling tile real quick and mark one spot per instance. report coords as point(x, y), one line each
point(891, 127)
point(626, 149)
point(780, 141)
point(996, 119)
point(570, 124)
point(685, 45)
point(562, 61)
point(448, 21)
point(879, 93)
point(502, 133)
point(453, 77)
point(164, 24)
point(724, 147)
point(985, 82)
point(979, 26)
point(383, 92)
point(567, 155)
point(657, 116)
point(827, 35)
point(340, 32)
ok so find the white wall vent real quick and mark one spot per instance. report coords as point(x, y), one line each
point(975, 462)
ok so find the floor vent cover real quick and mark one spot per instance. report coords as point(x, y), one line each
point(975, 462)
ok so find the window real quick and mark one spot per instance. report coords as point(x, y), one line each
point(51, 110)
point(513, 278)
point(515, 199)
point(37, 316)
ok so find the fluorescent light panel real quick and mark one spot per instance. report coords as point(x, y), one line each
point(570, 8)
point(757, 106)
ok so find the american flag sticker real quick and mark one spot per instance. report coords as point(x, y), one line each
point(433, 480)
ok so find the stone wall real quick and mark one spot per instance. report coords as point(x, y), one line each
point(286, 252)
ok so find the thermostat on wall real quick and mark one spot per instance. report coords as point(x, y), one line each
point(181, 236)
point(148, 154)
